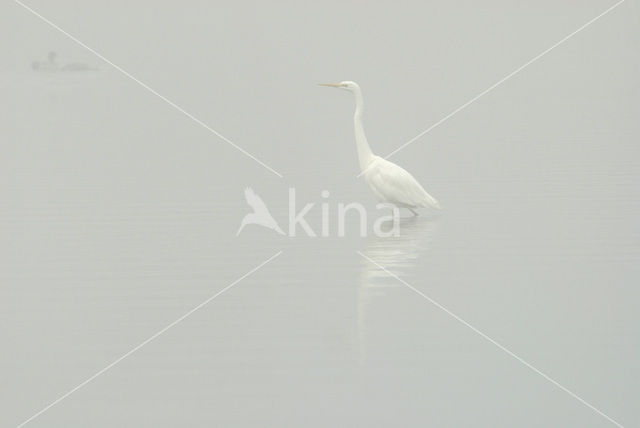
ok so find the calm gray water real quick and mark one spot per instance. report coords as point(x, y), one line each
point(119, 215)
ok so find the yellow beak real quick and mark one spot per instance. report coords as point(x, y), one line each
point(332, 85)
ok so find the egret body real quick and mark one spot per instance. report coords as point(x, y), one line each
point(389, 182)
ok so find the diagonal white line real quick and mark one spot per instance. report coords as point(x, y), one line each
point(150, 89)
point(466, 324)
point(148, 340)
point(499, 82)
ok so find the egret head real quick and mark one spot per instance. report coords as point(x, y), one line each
point(346, 85)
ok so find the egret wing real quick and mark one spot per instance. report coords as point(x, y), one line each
point(398, 186)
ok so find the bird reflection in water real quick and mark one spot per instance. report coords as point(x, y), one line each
point(398, 255)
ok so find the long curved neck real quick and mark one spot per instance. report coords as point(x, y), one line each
point(364, 151)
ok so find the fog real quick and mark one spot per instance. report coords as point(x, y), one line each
point(119, 214)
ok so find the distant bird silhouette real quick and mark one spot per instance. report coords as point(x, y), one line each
point(78, 66)
point(51, 64)
point(260, 214)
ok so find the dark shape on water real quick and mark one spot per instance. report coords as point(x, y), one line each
point(52, 65)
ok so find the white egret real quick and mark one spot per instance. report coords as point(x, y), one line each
point(389, 182)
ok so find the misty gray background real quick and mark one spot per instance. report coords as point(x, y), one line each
point(118, 214)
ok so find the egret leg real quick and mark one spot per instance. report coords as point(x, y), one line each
point(415, 213)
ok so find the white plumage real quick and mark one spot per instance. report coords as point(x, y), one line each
point(389, 182)
point(393, 184)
